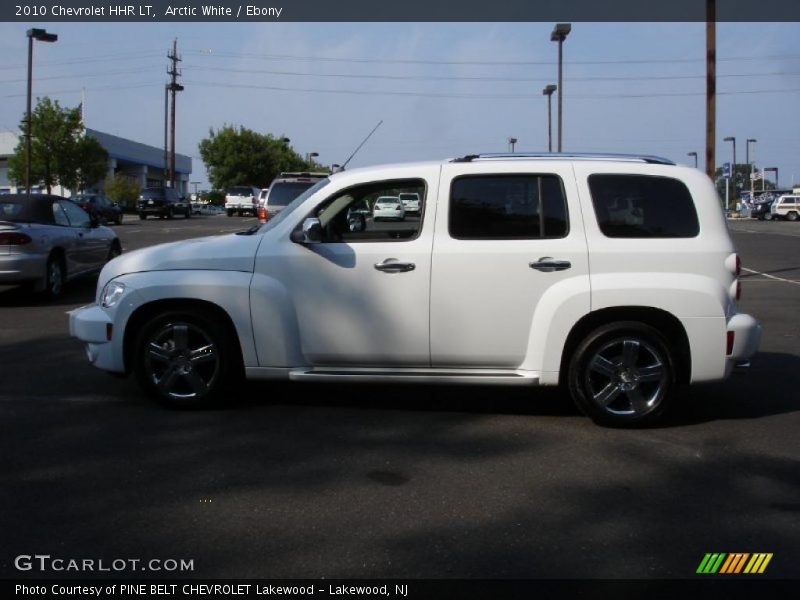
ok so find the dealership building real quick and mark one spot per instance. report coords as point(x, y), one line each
point(139, 162)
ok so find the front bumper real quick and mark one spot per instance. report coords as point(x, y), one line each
point(93, 326)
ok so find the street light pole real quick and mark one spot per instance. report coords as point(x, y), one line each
point(42, 36)
point(548, 91)
point(747, 157)
point(559, 34)
point(511, 142)
point(695, 157)
point(733, 164)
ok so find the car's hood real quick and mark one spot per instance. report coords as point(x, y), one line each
point(216, 253)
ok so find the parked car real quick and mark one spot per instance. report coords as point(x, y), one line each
point(518, 274)
point(162, 202)
point(786, 207)
point(47, 240)
point(411, 202)
point(388, 207)
point(285, 188)
point(242, 200)
point(761, 210)
point(99, 206)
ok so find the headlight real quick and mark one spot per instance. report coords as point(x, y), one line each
point(111, 294)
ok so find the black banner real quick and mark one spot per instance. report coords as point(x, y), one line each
point(406, 11)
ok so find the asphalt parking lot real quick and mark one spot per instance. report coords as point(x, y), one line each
point(379, 481)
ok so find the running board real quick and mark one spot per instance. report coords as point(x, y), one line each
point(426, 376)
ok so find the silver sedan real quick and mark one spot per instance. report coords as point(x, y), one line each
point(47, 240)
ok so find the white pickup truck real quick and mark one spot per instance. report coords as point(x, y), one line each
point(614, 276)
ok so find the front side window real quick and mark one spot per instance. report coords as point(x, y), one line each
point(76, 215)
point(371, 212)
point(643, 206)
point(497, 207)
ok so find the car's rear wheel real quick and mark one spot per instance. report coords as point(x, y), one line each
point(188, 213)
point(623, 375)
point(142, 216)
point(185, 359)
point(170, 213)
point(792, 216)
point(768, 216)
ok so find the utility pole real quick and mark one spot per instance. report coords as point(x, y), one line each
point(711, 87)
point(174, 87)
point(167, 177)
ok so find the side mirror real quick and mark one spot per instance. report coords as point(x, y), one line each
point(93, 221)
point(311, 232)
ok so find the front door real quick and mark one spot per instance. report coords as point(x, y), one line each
point(361, 295)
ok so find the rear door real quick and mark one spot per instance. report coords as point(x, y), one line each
point(504, 238)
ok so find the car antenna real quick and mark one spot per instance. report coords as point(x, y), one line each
point(359, 147)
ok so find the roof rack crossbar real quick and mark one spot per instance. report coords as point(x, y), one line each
point(567, 155)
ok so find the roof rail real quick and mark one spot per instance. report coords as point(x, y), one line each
point(567, 155)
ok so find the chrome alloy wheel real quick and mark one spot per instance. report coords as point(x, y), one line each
point(627, 376)
point(182, 361)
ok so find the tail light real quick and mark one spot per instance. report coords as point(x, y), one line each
point(729, 344)
point(13, 238)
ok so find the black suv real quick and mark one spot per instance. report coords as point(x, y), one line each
point(164, 202)
point(100, 207)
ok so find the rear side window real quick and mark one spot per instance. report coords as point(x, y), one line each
point(643, 206)
point(498, 207)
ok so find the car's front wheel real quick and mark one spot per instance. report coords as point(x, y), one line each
point(791, 216)
point(185, 359)
point(623, 375)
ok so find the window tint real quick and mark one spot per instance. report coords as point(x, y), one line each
point(643, 206)
point(282, 193)
point(76, 215)
point(496, 207)
point(58, 215)
point(355, 215)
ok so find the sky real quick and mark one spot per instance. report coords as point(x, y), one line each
point(441, 89)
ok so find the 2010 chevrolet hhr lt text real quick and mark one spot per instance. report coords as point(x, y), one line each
point(614, 276)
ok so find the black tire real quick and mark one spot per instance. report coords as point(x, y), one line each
point(230, 213)
point(792, 216)
point(170, 213)
point(114, 250)
point(55, 276)
point(188, 213)
point(185, 359)
point(623, 375)
point(142, 216)
point(768, 216)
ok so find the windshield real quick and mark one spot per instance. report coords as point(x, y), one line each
point(290, 208)
point(281, 193)
point(152, 193)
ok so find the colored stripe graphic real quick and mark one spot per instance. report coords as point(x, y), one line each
point(734, 563)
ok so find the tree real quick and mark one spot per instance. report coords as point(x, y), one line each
point(60, 154)
point(241, 156)
point(740, 182)
point(123, 190)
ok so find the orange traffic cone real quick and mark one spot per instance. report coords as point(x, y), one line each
point(262, 214)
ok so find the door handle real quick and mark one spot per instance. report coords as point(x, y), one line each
point(392, 265)
point(548, 264)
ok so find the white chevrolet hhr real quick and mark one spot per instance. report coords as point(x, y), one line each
point(614, 276)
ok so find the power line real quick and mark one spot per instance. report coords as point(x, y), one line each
point(475, 96)
point(225, 54)
point(474, 78)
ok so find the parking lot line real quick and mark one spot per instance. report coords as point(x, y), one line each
point(771, 276)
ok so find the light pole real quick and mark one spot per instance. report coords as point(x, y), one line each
point(548, 91)
point(695, 157)
point(747, 158)
point(733, 164)
point(42, 36)
point(310, 155)
point(511, 142)
point(559, 34)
